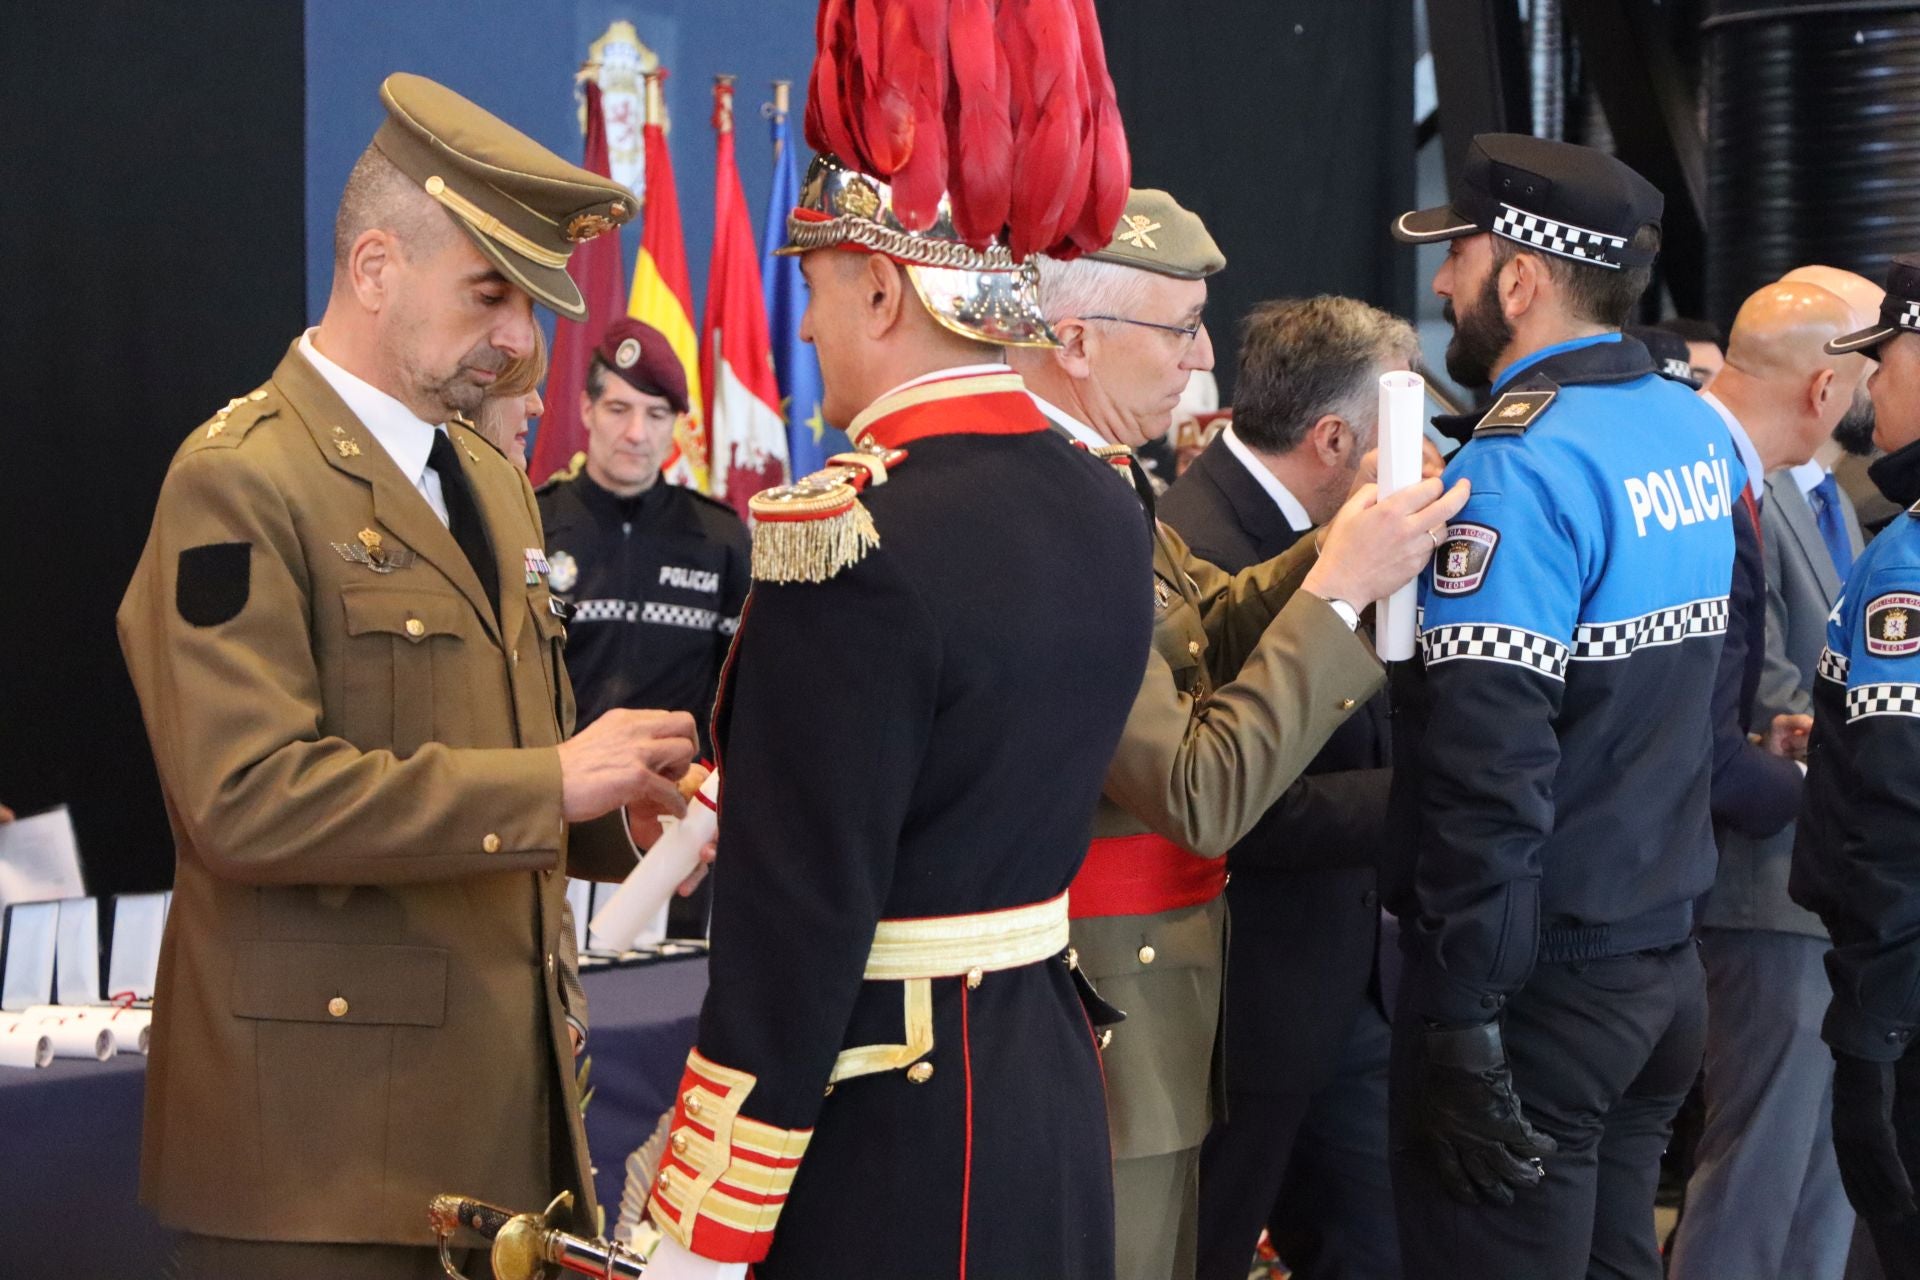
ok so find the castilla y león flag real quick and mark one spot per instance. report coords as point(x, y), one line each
point(748, 434)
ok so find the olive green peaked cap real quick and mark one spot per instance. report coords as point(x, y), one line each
point(1156, 234)
point(522, 205)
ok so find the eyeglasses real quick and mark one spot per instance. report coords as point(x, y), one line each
point(1187, 331)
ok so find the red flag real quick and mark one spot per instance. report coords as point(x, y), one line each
point(598, 267)
point(744, 422)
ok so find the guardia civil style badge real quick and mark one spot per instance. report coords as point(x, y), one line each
point(562, 572)
point(1891, 625)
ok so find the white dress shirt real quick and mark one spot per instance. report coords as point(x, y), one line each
point(1291, 507)
point(1808, 475)
point(1071, 425)
point(1742, 444)
point(393, 426)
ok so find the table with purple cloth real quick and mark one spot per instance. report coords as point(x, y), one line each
point(70, 1133)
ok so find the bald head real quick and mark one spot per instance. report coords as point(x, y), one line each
point(1782, 331)
point(1859, 293)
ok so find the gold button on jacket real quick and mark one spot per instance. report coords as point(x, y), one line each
point(329, 732)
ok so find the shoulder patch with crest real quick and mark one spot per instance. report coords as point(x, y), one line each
point(229, 425)
point(1893, 625)
point(1461, 560)
point(1514, 412)
point(812, 529)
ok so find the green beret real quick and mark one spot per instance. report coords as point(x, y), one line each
point(1157, 235)
point(521, 204)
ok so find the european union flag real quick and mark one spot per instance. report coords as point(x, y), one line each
point(810, 441)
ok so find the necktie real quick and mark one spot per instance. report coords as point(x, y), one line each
point(1824, 498)
point(468, 526)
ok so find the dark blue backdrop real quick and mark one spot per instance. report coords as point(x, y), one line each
point(517, 58)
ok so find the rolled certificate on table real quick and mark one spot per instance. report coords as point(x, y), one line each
point(74, 1031)
point(639, 906)
point(131, 1029)
point(23, 1045)
point(1402, 404)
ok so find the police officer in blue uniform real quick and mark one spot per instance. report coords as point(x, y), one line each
point(1552, 1013)
point(1856, 858)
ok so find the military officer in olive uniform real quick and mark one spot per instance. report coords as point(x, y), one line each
point(350, 668)
point(1248, 676)
point(655, 572)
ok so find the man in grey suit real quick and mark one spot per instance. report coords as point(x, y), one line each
point(1768, 1139)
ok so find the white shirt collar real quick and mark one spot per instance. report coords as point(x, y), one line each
point(406, 439)
point(1742, 442)
point(1071, 425)
point(1297, 518)
point(1808, 475)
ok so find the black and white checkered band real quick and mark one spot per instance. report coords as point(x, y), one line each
point(1883, 700)
point(606, 611)
point(1833, 666)
point(1910, 316)
point(1607, 641)
point(1494, 643)
point(1562, 238)
point(679, 615)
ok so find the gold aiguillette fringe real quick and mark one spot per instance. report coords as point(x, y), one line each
point(812, 550)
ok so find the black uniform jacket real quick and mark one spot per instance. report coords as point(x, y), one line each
point(1303, 897)
point(656, 584)
point(923, 734)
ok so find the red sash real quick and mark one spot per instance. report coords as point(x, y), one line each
point(1142, 875)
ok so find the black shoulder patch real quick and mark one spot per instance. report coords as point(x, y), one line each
point(1514, 412)
point(211, 587)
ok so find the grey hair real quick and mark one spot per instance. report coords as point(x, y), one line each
point(1301, 360)
point(1086, 287)
point(378, 196)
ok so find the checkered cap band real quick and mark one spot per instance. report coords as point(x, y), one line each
point(1833, 666)
point(1883, 700)
point(1562, 238)
point(679, 615)
point(606, 611)
point(1608, 641)
point(1494, 643)
point(1910, 317)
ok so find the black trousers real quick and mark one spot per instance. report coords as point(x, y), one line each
point(1311, 1167)
point(219, 1258)
point(1898, 1243)
point(1603, 1053)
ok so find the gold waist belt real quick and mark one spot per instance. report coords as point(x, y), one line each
point(914, 952)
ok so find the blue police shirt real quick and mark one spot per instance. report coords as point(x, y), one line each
point(1571, 625)
point(1856, 857)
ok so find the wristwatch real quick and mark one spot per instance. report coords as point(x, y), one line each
point(1348, 614)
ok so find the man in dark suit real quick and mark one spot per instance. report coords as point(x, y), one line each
point(1304, 1147)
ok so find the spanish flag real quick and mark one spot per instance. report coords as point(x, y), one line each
point(662, 295)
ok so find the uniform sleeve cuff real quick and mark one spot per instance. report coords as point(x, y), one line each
point(1444, 1000)
point(1853, 1030)
point(724, 1178)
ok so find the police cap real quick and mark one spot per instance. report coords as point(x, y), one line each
point(523, 206)
point(1556, 197)
point(1899, 311)
point(645, 361)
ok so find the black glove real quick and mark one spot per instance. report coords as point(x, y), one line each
point(1469, 1116)
point(1865, 1141)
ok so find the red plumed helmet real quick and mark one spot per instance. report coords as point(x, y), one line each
point(1005, 107)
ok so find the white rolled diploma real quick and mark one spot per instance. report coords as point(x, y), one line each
point(76, 1032)
point(1402, 404)
point(131, 1029)
point(638, 907)
point(23, 1045)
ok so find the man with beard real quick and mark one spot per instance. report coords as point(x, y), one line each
point(1765, 1139)
point(1855, 861)
point(344, 646)
point(1556, 739)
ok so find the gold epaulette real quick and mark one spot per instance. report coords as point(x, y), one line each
point(1117, 456)
point(564, 474)
point(810, 530)
point(231, 423)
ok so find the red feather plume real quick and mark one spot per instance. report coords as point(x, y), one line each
point(1005, 106)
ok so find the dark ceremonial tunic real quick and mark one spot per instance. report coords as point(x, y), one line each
point(923, 734)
